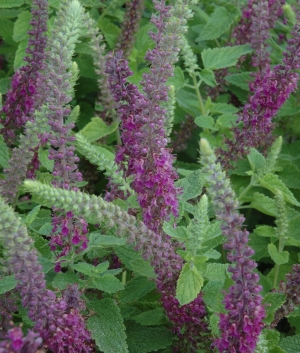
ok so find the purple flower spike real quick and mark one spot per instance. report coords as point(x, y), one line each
point(17, 343)
point(24, 97)
point(242, 324)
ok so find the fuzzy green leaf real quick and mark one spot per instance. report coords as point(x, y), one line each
point(32, 215)
point(134, 261)
point(274, 301)
point(45, 161)
point(226, 120)
point(7, 4)
point(20, 54)
point(107, 327)
point(257, 161)
point(7, 283)
point(189, 284)
point(97, 240)
point(4, 156)
point(4, 85)
point(208, 77)
point(135, 289)
point(290, 344)
point(191, 185)
point(240, 80)
point(108, 283)
point(279, 258)
point(218, 23)
point(46, 229)
point(213, 295)
point(151, 317)
point(206, 122)
point(62, 280)
point(290, 174)
point(97, 129)
point(87, 269)
point(216, 272)
point(264, 204)
point(178, 79)
point(273, 183)
point(22, 26)
point(220, 58)
point(142, 339)
point(265, 231)
point(6, 30)
point(223, 108)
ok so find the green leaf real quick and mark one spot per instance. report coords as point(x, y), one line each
point(187, 101)
point(22, 26)
point(208, 77)
point(151, 317)
point(7, 13)
point(290, 174)
point(191, 185)
point(223, 108)
point(143, 339)
point(97, 129)
point(219, 58)
point(47, 265)
point(206, 122)
point(290, 344)
point(264, 204)
point(257, 161)
point(218, 23)
point(108, 283)
point(259, 245)
point(107, 327)
point(226, 120)
point(4, 156)
point(62, 280)
point(134, 261)
point(189, 284)
point(32, 215)
point(4, 85)
point(240, 80)
point(110, 31)
point(213, 296)
point(85, 268)
point(179, 233)
point(45, 161)
point(216, 272)
point(86, 66)
point(279, 258)
point(136, 289)
point(7, 4)
point(46, 229)
point(20, 54)
point(265, 231)
point(178, 79)
point(273, 183)
point(97, 240)
point(274, 301)
point(7, 283)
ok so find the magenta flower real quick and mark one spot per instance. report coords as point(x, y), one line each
point(241, 325)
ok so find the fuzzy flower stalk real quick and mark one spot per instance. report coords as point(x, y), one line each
point(143, 118)
point(16, 342)
point(187, 320)
point(269, 93)
point(69, 232)
point(62, 330)
point(130, 26)
point(242, 324)
point(24, 97)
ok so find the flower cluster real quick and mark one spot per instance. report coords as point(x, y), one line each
point(270, 92)
point(188, 320)
point(148, 160)
point(24, 96)
point(17, 343)
point(69, 232)
point(242, 324)
point(130, 26)
point(292, 290)
point(54, 323)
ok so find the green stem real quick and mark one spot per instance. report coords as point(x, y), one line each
point(197, 90)
point(124, 274)
point(247, 189)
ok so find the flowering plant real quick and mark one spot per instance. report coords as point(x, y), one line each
point(149, 176)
